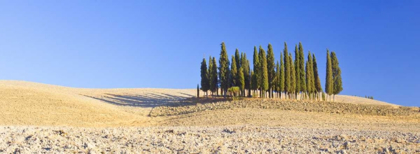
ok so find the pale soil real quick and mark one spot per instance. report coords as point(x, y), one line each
point(39, 117)
point(220, 139)
point(28, 103)
point(360, 100)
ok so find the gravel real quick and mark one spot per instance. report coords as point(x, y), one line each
point(221, 139)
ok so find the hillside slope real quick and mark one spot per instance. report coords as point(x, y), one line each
point(24, 103)
point(28, 103)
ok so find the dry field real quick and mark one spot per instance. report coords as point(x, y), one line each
point(46, 118)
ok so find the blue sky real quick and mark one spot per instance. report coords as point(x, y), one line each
point(160, 44)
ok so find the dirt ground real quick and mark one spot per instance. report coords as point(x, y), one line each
point(32, 113)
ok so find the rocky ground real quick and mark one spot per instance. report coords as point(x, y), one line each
point(232, 139)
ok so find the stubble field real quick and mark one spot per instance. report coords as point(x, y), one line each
point(46, 118)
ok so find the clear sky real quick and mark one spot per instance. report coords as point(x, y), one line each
point(160, 44)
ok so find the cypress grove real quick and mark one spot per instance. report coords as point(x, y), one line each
point(288, 76)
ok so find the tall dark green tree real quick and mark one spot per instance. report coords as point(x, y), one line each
point(329, 82)
point(282, 74)
point(257, 69)
point(204, 80)
point(249, 76)
point(209, 73)
point(237, 59)
point(336, 71)
point(309, 75)
point(224, 69)
point(270, 69)
point(318, 87)
point(292, 75)
point(278, 79)
point(246, 72)
point(254, 81)
point(302, 78)
point(233, 73)
point(214, 80)
point(241, 80)
point(297, 69)
point(264, 72)
point(287, 70)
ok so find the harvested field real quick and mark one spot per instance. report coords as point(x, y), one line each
point(222, 139)
point(307, 106)
point(46, 118)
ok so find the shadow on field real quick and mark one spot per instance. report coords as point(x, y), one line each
point(149, 100)
point(152, 100)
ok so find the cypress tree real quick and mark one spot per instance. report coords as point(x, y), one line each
point(302, 78)
point(329, 77)
point(256, 61)
point(254, 82)
point(233, 73)
point(237, 59)
point(278, 78)
point(318, 87)
point(270, 69)
point(282, 74)
point(292, 75)
point(224, 69)
point(263, 71)
point(309, 75)
point(209, 75)
point(241, 80)
point(312, 75)
point(249, 75)
point(204, 79)
point(336, 73)
point(297, 69)
point(214, 81)
point(245, 67)
point(287, 70)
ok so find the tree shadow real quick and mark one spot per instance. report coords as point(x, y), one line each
point(147, 101)
point(151, 100)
